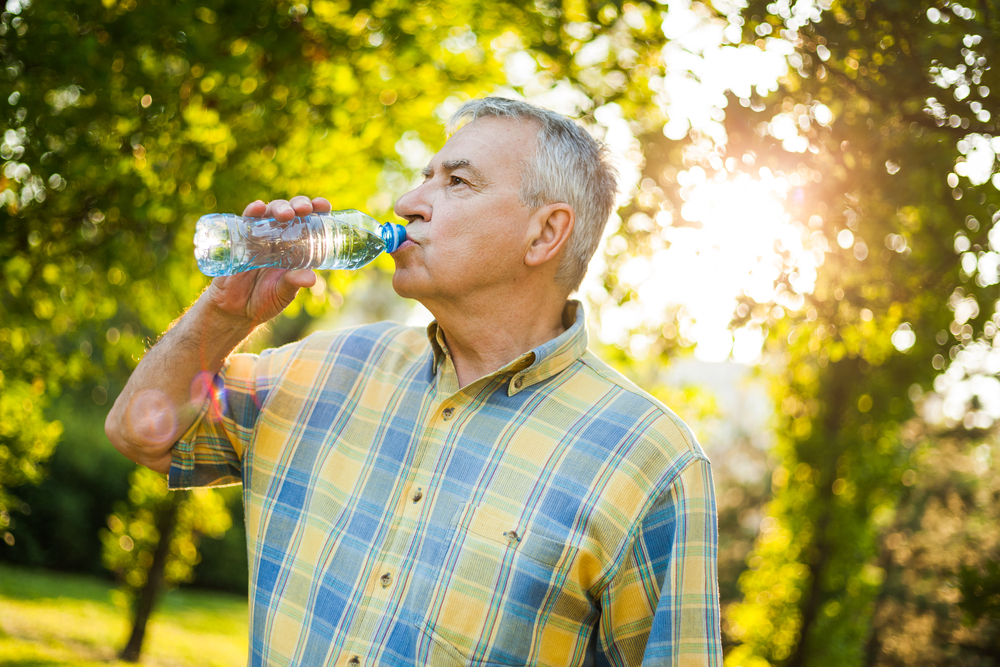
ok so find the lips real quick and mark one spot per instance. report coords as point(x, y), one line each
point(406, 244)
point(409, 238)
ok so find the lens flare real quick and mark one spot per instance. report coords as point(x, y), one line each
point(206, 386)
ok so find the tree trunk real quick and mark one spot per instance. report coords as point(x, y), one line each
point(838, 387)
point(810, 607)
point(165, 522)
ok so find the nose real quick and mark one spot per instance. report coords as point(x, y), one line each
point(414, 205)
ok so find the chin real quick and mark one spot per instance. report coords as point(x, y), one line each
point(417, 285)
point(404, 285)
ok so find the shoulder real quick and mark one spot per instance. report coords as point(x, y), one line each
point(647, 417)
point(653, 465)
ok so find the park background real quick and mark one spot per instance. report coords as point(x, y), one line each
point(804, 265)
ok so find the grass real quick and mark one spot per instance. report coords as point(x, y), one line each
point(49, 619)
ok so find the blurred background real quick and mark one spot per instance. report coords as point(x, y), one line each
point(804, 265)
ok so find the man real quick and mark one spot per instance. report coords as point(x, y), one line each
point(486, 492)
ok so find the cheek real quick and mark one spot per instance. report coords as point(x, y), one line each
point(504, 243)
point(482, 252)
point(488, 242)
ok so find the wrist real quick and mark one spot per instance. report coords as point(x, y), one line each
point(214, 328)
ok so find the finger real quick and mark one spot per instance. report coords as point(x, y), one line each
point(300, 278)
point(321, 205)
point(302, 205)
point(291, 282)
point(280, 209)
point(255, 210)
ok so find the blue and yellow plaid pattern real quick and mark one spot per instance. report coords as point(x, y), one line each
point(548, 514)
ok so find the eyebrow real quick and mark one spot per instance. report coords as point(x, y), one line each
point(452, 165)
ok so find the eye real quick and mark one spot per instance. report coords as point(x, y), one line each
point(455, 180)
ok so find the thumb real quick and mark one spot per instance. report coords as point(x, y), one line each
point(300, 278)
point(290, 283)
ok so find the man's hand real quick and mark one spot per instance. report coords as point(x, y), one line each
point(165, 393)
point(259, 295)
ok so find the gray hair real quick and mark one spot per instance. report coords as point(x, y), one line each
point(569, 166)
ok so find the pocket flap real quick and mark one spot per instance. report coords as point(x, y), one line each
point(493, 525)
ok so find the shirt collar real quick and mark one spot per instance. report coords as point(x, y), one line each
point(541, 363)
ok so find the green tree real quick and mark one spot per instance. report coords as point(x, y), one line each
point(891, 103)
point(152, 543)
point(59, 518)
point(938, 605)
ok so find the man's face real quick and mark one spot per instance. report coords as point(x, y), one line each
point(468, 228)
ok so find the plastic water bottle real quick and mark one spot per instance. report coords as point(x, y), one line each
point(225, 244)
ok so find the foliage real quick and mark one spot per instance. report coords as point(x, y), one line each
point(939, 602)
point(27, 439)
point(883, 101)
point(134, 530)
point(59, 518)
point(223, 564)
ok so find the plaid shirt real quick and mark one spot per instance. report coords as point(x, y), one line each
point(550, 513)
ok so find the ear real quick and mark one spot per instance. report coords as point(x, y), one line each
point(550, 228)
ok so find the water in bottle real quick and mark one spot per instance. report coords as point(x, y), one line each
point(225, 244)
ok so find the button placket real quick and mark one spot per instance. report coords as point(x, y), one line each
point(386, 580)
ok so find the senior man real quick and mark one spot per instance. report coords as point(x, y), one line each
point(486, 492)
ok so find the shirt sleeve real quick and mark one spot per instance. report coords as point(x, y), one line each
point(211, 452)
point(662, 606)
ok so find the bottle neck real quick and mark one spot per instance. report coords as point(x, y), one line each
point(393, 236)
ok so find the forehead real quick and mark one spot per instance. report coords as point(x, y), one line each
point(494, 146)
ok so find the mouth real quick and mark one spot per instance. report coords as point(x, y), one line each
point(409, 239)
point(405, 244)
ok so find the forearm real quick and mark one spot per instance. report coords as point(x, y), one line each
point(164, 395)
point(162, 398)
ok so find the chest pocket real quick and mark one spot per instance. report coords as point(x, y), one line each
point(498, 584)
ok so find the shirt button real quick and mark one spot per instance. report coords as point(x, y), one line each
point(417, 495)
point(448, 413)
point(354, 661)
point(386, 579)
point(512, 537)
point(518, 381)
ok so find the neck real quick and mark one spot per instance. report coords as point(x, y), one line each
point(484, 337)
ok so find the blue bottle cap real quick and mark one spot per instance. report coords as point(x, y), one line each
point(393, 236)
